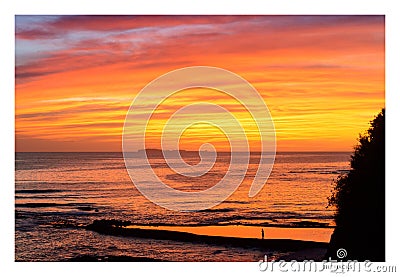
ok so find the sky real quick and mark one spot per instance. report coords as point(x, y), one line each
point(322, 77)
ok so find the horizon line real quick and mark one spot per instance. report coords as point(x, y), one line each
point(306, 151)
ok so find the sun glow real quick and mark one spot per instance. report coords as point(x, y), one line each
point(322, 77)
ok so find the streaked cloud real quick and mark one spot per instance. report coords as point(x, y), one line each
point(77, 75)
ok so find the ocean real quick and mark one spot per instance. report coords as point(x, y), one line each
point(56, 193)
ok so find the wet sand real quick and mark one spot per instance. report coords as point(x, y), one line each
point(242, 231)
point(290, 248)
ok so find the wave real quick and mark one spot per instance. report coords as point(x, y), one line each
point(41, 191)
point(222, 210)
point(319, 171)
point(79, 206)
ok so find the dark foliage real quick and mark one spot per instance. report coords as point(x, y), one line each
point(359, 198)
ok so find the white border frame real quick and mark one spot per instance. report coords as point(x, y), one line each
point(8, 9)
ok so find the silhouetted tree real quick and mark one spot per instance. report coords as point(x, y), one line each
point(359, 198)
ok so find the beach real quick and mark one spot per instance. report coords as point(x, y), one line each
point(274, 248)
point(254, 232)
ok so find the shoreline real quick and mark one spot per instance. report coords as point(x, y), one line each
point(284, 245)
point(254, 232)
point(293, 225)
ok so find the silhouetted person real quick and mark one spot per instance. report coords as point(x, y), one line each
point(262, 233)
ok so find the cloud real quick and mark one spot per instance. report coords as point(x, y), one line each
point(81, 72)
point(143, 41)
point(78, 110)
point(86, 99)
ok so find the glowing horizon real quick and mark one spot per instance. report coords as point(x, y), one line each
point(322, 77)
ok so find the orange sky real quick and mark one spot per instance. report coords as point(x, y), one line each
point(322, 77)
